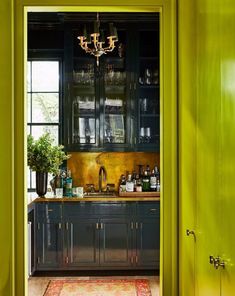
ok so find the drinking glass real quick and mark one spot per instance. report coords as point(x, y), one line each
point(59, 192)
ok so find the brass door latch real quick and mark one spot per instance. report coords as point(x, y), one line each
point(217, 262)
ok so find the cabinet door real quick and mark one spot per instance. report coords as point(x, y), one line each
point(148, 234)
point(48, 245)
point(115, 242)
point(48, 235)
point(148, 130)
point(115, 97)
point(81, 125)
point(82, 244)
point(148, 243)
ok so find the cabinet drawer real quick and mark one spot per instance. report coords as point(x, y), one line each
point(78, 209)
point(148, 209)
point(48, 211)
point(113, 208)
point(95, 208)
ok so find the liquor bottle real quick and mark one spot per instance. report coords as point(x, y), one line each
point(138, 186)
point(153, 181)
point(129, 184)
point(134, 179)
point(122, 186)
point(140, 171)
point(145, 182)
point(68, 184)
point(157, 173)
point(158, 186)
point(148, 170)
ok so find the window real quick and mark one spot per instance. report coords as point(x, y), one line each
point(43, 102)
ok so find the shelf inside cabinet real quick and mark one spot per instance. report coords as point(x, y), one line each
point(149, 115)
point(115, 89)
point(150, 86)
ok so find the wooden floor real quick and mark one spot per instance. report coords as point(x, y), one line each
point(37, 285)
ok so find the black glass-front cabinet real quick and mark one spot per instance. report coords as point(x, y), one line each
point(113, 106)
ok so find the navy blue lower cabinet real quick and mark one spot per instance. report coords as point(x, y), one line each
point(81, 243)
point(90, 235)
point(147, 235)
point(115, 242)
point(148, 243)
point(48, 237)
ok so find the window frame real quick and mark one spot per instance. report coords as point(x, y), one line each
point(45, 56)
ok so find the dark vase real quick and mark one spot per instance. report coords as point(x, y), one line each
point(41, 183)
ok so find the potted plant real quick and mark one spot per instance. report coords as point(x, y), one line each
point(44, 158)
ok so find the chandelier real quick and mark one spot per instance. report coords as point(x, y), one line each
point(95, 43)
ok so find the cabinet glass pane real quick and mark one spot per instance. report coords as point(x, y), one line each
point(84, 119)
point(114, 126)
point(115, 103)
point(84, 101)
point(149, 116)
point(148, 88)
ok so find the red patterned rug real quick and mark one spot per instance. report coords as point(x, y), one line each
point(107, 287)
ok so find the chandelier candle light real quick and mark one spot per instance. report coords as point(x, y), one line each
point(97, 38)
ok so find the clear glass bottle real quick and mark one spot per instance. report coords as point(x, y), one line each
point(158, 185)
point(129, 184)
point(157, 173)
point(138, 187)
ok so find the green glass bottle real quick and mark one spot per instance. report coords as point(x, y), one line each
point(145, 182)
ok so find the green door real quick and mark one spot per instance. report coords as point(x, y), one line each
point(211, 64)
point(228, 147)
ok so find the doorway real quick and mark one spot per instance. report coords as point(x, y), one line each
point(169, 173)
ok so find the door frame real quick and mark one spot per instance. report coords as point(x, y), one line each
point(168, 128)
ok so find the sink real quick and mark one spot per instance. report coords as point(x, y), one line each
point(100, 194)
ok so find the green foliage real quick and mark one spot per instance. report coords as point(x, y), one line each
point(43, 156)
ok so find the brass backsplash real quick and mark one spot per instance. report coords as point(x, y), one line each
point(85, 166)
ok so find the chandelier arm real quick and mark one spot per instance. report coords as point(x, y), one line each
point(109, 49)
point(86, 48)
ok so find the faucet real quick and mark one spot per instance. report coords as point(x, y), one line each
point(102, 176)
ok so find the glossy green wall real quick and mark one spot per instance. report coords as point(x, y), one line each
point(206, 75)
point(6, 150)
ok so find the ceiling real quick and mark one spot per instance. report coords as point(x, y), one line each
point(59, 18)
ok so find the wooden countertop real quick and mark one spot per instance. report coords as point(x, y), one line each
point(97, 199)
point(124, 196)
